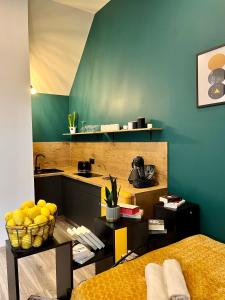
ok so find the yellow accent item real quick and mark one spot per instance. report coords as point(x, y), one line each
point(120, 243)
point(124, 197)
point(202, 261)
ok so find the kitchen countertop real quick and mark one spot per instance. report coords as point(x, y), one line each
point(70, 171)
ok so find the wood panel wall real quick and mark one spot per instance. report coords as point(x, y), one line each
point(56, 153)
point(116, 157)
point(110, 157)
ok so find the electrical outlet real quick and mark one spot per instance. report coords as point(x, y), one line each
point(92, 161)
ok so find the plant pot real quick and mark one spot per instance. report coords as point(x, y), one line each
point(72, 130)
point(112, 213)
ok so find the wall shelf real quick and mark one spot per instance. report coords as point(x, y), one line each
point(115, 131)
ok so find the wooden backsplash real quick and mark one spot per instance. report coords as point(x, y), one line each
point(56, 153)
point(110, 157)
point(115, 157)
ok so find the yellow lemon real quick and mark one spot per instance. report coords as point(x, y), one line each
point(52, 207)
point(45, 211)
point(51, 218)
point(25, 211)
point(8, 216)
point(37, 241)
point(40, 219)
point(14, 240)
point(27, 221)
point(45, 236)
point(19, 231)
point(26, 241)
point(11, 223)
point(27, 204)
point(18, 217)
point(41, 203)
point(34, 212)
point(32, 229)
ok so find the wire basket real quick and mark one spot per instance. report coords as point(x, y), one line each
point(24, 238)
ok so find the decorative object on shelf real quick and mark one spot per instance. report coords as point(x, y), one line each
point(210, 77)
point(132, 125)
point(30, 225)
point(149, 125)
point(71, 121)
point(110, 127)
point(141, 123)
point(112, 208)
point(125, 127)
point(83, 126)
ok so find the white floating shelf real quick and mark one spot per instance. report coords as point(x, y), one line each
point(115, 131)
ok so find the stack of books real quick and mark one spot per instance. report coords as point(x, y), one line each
point(172, 201)
point(86, 238)
point(130, 211)
point(156, 226)
point(82, 254)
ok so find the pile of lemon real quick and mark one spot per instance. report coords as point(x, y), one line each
point(31, 224)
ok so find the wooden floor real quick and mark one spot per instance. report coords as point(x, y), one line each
point(37, 272)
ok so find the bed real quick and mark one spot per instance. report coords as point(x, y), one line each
point(202, 260)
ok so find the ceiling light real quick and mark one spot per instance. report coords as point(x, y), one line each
point(33, 90)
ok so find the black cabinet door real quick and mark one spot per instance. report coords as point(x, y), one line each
point(81, 201)
point(50, 189)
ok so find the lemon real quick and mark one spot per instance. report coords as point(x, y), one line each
point(51, 218)
point(25, 211)
point(26, 241)
point(52, 207)
point(14, 240)
point(19, 231)
point(40, 219)
point(27, 221)
point(8, 216)
point(45, 236)
point(34, 212)
point(27, 204)
point(18, 217)
point(37, 241)
point(41, 203)
point(45, 211)
point(32, 229)
point(11, 223)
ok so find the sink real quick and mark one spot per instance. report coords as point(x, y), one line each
point(46, 171)
point(88, 174)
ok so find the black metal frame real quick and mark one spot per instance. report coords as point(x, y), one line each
point(197, 95)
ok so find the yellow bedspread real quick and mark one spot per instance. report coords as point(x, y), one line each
point(202, 260)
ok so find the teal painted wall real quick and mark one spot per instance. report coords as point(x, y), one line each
point(49, 117)
point(139, 60)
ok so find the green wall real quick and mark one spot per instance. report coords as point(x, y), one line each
point(49, 117)
point(139, 60)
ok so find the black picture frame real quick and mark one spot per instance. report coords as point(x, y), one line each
point(197, 77)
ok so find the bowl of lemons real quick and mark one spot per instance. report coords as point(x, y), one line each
point(31, 225)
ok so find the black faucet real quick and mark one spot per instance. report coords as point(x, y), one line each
point(36, 167)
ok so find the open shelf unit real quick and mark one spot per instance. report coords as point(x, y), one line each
point(115, 131)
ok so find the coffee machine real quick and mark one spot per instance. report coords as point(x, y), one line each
point(141, 175)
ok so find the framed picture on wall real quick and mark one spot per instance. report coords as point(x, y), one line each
point(211, 77)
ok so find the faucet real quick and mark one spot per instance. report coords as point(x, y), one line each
point(36, 167)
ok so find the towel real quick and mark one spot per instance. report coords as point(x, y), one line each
point(174, 279)
point(156, 288)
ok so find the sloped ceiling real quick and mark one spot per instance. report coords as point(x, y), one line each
point(58, 30)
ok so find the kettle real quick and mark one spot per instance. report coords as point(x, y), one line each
point(141, 175)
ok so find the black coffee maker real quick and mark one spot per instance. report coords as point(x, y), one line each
point(141, 175)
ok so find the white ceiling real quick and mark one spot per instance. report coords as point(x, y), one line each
point(91, 6)
point(58, 30)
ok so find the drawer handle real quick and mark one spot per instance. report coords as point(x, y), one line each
point(191, 212)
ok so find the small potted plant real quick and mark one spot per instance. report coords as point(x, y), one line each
point(71, 122)
point(112, 208)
